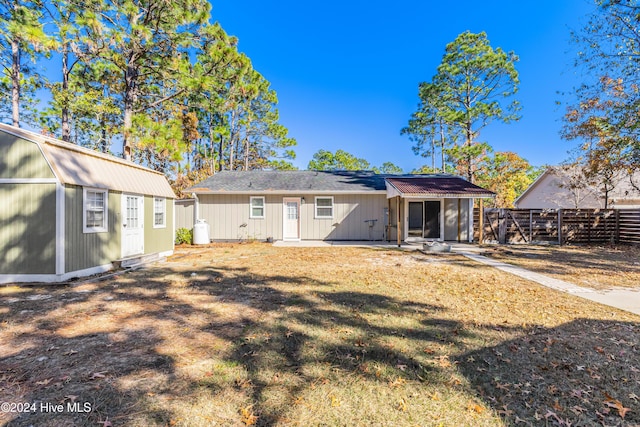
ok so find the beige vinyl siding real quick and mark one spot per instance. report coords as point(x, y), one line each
point(21, 159)
point(184, 213)
point(27, 228)
point(552, 192)
point(451, 219)
point(157, 239)
point(228, 217)
point(350, 211)
point(87, 250)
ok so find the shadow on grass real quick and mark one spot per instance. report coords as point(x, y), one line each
point(141, 347)
point(585, 372)
point(604, 258)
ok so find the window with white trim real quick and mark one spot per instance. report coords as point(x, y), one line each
point(324, 207)
point(159, 212)
point(257, 207)
point(94, 210)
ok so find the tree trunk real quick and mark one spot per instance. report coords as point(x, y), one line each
point(433, 151)
point(232, 140)
point(220, 162)
point(15, 82)
point(442, 141)
point(469, 135)
point(66, 127)
point(246, 156)
point(212, 161)
point(129, 102)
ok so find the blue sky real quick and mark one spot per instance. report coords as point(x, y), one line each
point(347, 72)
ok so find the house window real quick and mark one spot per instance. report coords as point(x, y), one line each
point(94, 210)
point(159, 212)
point(257, 207)
point(324, 207)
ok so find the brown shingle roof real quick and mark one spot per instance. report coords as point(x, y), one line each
point(448, 186)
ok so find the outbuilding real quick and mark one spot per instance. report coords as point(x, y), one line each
point(67, 211)
point(337, 205)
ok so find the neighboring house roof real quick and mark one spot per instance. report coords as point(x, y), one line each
point(441, 187)
point(283, 182)
point(80, 166)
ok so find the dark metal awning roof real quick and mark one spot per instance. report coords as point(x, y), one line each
point(440, 187)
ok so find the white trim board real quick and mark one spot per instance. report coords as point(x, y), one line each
point(53, 278)
point(28, 181)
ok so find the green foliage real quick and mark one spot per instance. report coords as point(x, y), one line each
point(388, 168)
point(158, 77)
point(22, 37)
point(473, 86)
point(428, 170)
point(281, 165)
point(340, 160)
point(184, 236)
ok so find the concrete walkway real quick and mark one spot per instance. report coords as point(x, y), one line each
point(621, 298)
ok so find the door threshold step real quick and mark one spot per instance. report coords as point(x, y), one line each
point(136, 260)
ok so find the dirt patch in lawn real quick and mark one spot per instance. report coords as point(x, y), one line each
point(596, 267)
point(251, 334)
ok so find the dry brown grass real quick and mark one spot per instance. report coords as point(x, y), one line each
point(251, 334)
point(597, 267)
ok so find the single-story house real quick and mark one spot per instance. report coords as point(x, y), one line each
point(336, 205)
point(67, 211)
point(565, 187)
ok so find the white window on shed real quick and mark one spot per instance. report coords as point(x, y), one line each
point(324, 207)
point(94, 210)
point(257, 207)
point(159, 212)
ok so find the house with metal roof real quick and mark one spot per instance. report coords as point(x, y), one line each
point(337, 205)
point(66, 211)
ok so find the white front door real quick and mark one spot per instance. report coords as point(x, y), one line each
point(291, 222)
point(132, 225)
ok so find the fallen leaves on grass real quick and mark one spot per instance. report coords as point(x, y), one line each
point(247, 416)
point(474, 407)
point(616, 404)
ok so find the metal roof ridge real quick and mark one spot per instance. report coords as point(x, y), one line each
point(43, 139)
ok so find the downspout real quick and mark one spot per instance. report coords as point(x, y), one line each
point(196, 208)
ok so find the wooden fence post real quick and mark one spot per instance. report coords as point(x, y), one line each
point(481, 223)
point(502, 226)
point(617, 232)
point(530, 225)
point(559, 226)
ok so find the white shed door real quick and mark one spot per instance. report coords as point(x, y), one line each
point(132, 225)
point(291, 222)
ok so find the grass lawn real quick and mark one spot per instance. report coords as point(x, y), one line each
point(251, 334)
point(596, 267)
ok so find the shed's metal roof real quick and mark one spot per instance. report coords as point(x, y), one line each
point(281, 182)
point(443, 186)
point(77, 165)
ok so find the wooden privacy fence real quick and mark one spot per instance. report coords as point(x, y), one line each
point(559, 225)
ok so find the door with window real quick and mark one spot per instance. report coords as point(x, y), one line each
point(132, 225)
point(291, 220)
